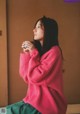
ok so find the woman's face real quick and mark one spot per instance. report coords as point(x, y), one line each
point(38, 31)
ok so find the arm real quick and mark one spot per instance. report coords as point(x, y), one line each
point(23, 67)
point(38, 70)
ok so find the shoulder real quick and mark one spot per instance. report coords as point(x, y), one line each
point(54, 51)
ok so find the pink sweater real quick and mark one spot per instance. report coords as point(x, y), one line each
point(45, 82)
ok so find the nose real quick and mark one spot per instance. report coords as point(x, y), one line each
point(34, 30)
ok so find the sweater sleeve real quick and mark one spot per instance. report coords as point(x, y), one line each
point(38, 70)
point(23, 67)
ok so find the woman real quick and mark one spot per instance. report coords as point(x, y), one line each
point(41, 69)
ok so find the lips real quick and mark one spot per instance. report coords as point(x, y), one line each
point(35, 34)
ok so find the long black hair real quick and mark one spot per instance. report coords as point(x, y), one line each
point(50, 35)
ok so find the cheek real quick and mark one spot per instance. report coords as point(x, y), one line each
point(41, 33)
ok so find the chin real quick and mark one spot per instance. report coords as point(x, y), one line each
point(36, 39)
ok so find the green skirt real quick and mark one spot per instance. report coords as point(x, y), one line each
point(21, 108)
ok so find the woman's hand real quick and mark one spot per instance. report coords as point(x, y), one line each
point(27, 46)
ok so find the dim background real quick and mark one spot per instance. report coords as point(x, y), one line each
point(17, 19)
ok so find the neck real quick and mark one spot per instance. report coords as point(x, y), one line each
point(41, 42)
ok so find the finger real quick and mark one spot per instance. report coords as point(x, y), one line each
point(25, 50)
point(26, 42)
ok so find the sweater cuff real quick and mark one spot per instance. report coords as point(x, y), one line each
point(34, 52)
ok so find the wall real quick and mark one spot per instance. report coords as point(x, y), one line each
point(22, 15)
point(3, 55)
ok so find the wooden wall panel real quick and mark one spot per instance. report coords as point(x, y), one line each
point(3, 56)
